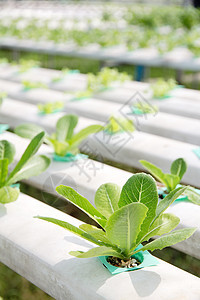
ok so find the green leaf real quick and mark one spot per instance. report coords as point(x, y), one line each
point(107, 198)
point(3, 171)
point(179, 167)
point(84, 133)
point(155, 171)
point(171, 181)
point(168, 240)
point(162, 225)
point(65, 127)
point(193, 196)
point(124, 225)
point(95, 252)
point(7, 150)
point(97, 233)
point(28, 131)
point(168, 200)
point(141, 188)
point(32, 148)
point(60, 148)
point(71, 228)
point(34, 166)
point(82, 203)
point(8, 194)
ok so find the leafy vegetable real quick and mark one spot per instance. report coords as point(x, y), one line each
point(104, 79)
point(29, 165)
point(161, 88)
point(178, 169)
point(51, 107)
point(127, 219)
point(64, 140)
point(33, 85)
point(117, 124)
point(145, 108)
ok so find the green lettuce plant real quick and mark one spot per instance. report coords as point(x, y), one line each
point(119, 124)
point(63, 140)
point(3, 95)
point(170, 181)
point(102, 80)
point(125, 218)
point(51, 107)
point(162, 87)
point(29, 165)
point(27, 85)
point(27, 64)
point(145, 108)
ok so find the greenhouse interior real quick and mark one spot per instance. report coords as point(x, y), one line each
point(100, 150)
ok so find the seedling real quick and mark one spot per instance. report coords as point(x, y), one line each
point(3, 95)
point(161, 88)
point(63, 140)
point(126, 218)
point(144, 108)
point(25, 65)
point(117, 125)
point(103, 80)
point(51, 107)
point(170, 181)
point(29, 165)
point(33, 85)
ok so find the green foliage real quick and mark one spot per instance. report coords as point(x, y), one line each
point(146, 108)
point(29, 165)
point(178, 169)
point(27, 64)
point(28, 85)
point(119, 124)
point(63, 140)
point(3, 95)
point(103, 80)
point(127, 218)
point(51, 107)
point(161, 88)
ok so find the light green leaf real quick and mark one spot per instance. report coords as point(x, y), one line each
point(65, 127)
point(34, 166)
point(32, 148)
point(155, 171)
point(171, 181)
point(97, 233)
point(168, 200)
point(141, 188)
point(84, 133)
point(3, 171)
point(7, 150)
point(60, 148)
point(8, 194)
point(124, 225)
point(106, 198)
point(71, 228)
point(28, 130)
point(162, 225)
point(168, 240)
point(179, 167)
point(95, 252)
point(193, 196)
point(82, 203)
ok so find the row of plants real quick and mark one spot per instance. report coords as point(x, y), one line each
point(164, 29)
point(105, 79)
point(125, 218)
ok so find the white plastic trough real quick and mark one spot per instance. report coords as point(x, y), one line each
point(125, 148)
point(184, 102)
point(38, 251)
point(162, 124)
